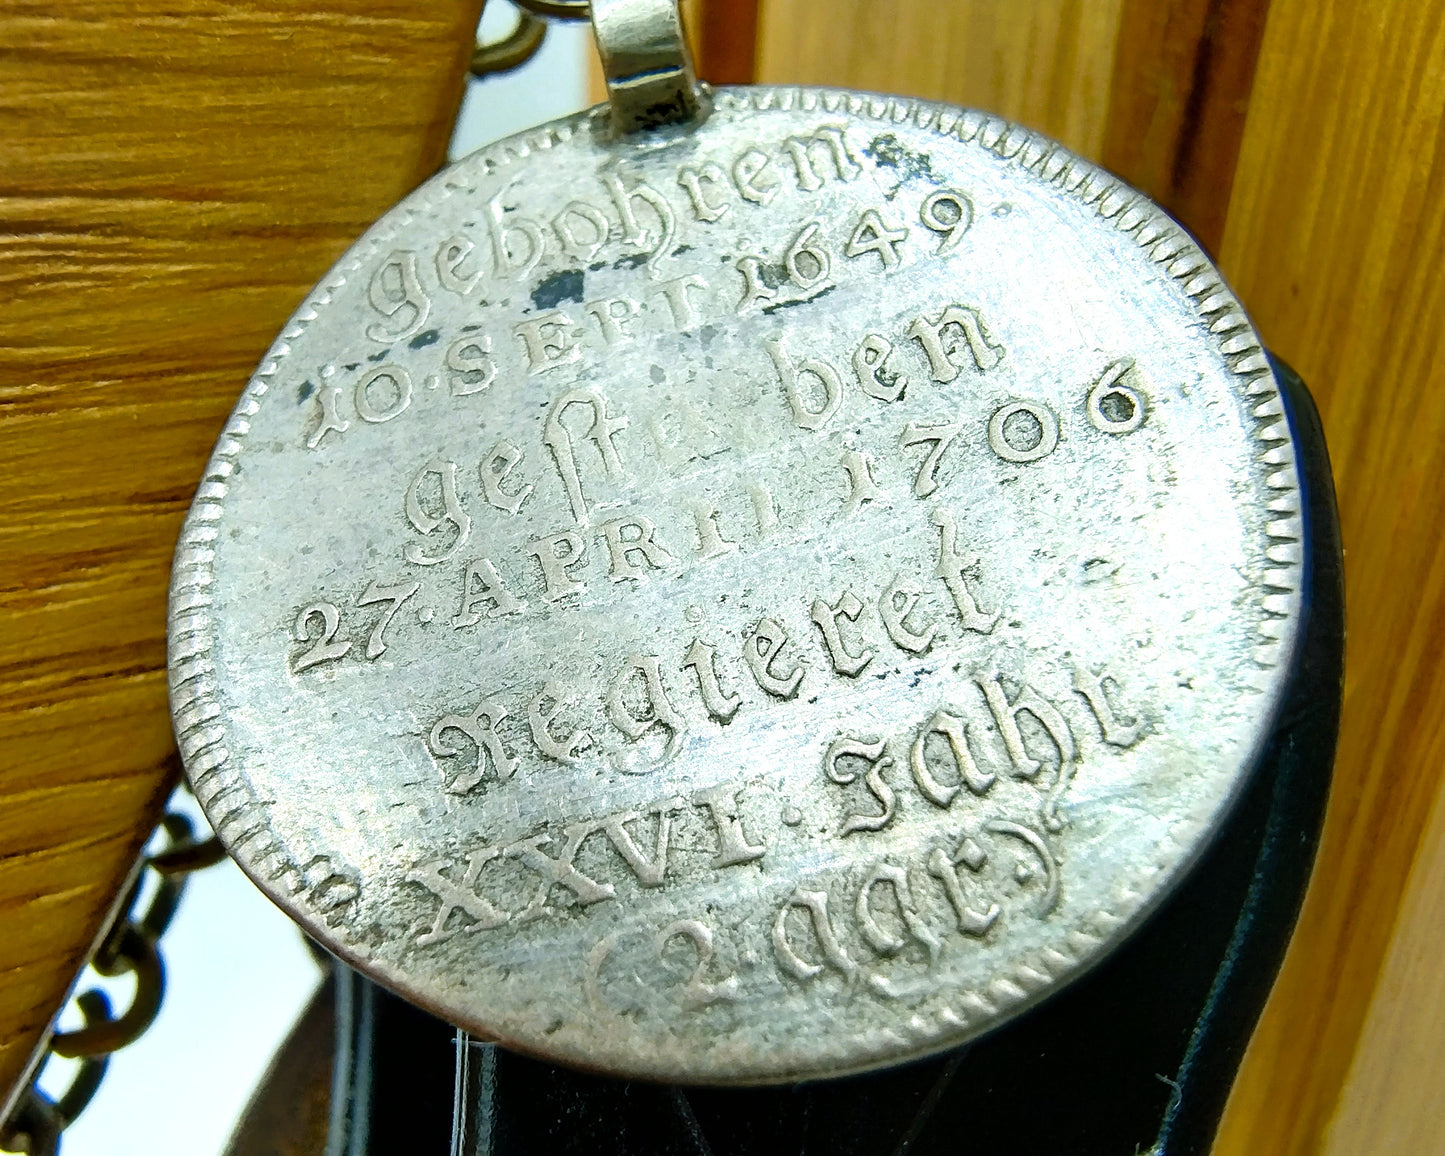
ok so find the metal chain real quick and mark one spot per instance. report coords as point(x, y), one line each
point(522, 43)
point(129, 945)
point(645, 59)
point(557, 9)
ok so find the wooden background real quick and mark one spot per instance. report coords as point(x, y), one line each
point(174, 176)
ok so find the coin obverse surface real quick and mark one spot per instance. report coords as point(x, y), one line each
point(766, 599)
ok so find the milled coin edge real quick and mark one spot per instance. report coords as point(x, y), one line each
point(317, 894)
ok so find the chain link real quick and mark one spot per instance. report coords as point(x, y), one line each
point(523, 41)
point(128, 946)
point(513, 50)
point(557, 9)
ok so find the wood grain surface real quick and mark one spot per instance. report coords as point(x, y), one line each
point(1335, 237)
point(1181, 85)
point(1391, 1100)
point(174, 176)
point(1046, 63)
point(1301, 141)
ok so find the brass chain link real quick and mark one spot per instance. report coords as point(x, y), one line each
point(523, 41)
point(129, 946)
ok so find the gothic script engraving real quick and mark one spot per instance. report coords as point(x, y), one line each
point(755, 602)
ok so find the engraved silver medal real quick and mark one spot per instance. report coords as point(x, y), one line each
point(760, 597)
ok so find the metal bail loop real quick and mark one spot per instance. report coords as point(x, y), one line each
point(645, 62)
